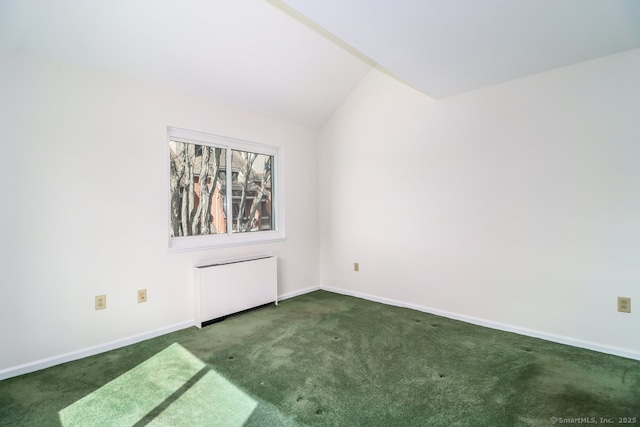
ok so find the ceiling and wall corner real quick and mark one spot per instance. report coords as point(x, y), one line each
point(297, 60)
point(444, 48)
point(246, 54)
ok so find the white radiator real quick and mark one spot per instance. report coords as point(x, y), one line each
point(225, 288)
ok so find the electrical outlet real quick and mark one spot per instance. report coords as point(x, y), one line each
point(142, 296)
point(101, 302)
point(356, 266)
point(624, 305)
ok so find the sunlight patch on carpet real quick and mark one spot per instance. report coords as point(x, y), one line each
point(171, 388)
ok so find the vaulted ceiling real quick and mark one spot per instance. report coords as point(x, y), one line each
point(297, 60)
point(247, 54)
point(447, 47)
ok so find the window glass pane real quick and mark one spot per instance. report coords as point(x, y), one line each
point(198, 185)
point(222, 190)
point(252, 196)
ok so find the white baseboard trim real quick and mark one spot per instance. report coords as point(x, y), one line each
point(616, 351)
point(101, 348)
point(89, 351)
point(297, 293)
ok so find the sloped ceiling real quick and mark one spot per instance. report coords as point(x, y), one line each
point(297, 60)
point(446, 47)
point(247, 54)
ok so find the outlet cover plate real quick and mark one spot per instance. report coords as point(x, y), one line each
point(624, 304)
point(101, 302)
point(142, 296)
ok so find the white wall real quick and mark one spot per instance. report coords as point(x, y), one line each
point(517, 205)
point(85, 206)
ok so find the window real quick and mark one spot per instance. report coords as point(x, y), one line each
point(223, 191)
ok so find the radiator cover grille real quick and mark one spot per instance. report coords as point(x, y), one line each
point(225, 288)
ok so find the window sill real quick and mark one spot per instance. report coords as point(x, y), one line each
point(199, 243)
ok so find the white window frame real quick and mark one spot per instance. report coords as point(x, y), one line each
point(190, 243)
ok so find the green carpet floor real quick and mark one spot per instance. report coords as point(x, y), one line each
point(328, 359)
